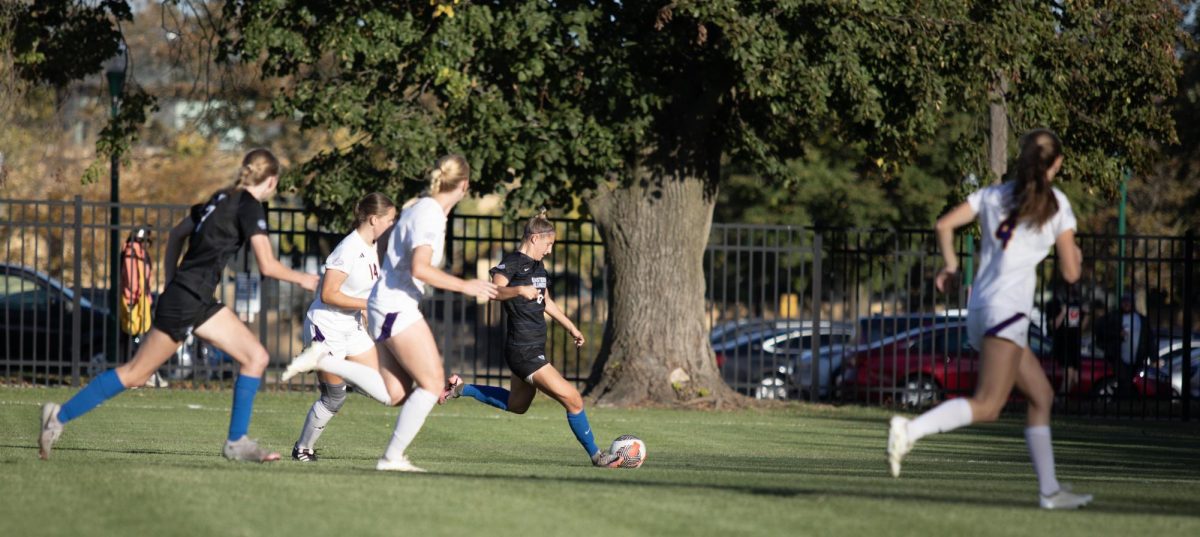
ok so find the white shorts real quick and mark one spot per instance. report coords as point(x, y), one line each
point(398, 315)
point(997, 322)
point(341, 341)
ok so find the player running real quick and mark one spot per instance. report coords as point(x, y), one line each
point(334, 327)
point(215, 231)
point(1020, 221)
point(414, 253)
point(524, 287)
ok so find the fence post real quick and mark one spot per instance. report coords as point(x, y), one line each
point(1188, 269)
point(77, 292)
point(814, 386)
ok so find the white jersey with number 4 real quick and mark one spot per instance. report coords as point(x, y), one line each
point(1011, 251)
point(359, 260)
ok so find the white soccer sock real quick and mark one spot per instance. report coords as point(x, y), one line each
point(314, 425)
point(365, 378)
point(945, 417)
point(412, 417)
point(1042, 454)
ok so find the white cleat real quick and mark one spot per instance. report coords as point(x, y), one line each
point(1065, 499)
point(898, 443)
point(306, 361)
point(399, 465)
point(51, 429)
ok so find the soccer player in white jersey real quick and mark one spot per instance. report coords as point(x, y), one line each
point(1020, 220)
point(414, 253)
point(335, 326)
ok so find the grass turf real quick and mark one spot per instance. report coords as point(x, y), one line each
point(148, 462)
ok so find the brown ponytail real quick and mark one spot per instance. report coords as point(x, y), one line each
point(373, 204)
point(1032, 198)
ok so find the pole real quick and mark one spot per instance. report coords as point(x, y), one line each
point(1121, 234)
point(114, 221)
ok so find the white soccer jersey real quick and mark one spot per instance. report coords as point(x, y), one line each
point(1010, 252)
point(359, 260)
point(422, 224)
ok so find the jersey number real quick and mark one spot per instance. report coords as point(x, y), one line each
point(1005, 232)
point(208, 210)
point(541, 297)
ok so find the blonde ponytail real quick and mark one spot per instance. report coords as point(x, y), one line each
point(538, 224)
point(258, 165)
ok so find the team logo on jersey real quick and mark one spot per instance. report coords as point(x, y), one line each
point(541, 357)
point(262, 224)
point(500, 266)
point(538, 282)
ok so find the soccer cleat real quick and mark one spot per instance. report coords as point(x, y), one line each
point(303, 454)
point(305, 361)
point(898, 443)
point(1065, 499)
point(51, 429)
point(398, 465)
point(603, 459)
point(245, 449)
point(454, 388)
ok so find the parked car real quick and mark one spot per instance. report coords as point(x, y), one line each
point(793, 378)
point(928, 364)
point(743, 355)
point(1165, 376)
point(37, 316)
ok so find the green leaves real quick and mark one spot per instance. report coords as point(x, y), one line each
point(550, 100)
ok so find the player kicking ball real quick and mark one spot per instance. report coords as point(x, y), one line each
point(1020, 220)
point(523, 286)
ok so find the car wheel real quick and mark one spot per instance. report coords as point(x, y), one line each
point(1105, 390)
point(772, 388)
point(919, 391)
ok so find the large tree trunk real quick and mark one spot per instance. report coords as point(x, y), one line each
point(656, 347)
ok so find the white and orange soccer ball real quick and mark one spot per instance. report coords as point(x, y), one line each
point(630, 447)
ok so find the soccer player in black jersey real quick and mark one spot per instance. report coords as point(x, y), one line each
point(215, 231)
point(524, 287)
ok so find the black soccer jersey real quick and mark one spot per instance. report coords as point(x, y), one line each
point(525, 318)
point(220, 227)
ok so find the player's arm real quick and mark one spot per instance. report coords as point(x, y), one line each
point(1070, 257)
point(944, 230)
point(423, 269)
point(561, 318)
point(270, 267)
point(175, 239)
point(331, 292)
point(504, 292)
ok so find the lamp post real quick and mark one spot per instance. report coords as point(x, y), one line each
point(114, 70)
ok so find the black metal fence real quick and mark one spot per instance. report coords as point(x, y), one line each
point(851, 312)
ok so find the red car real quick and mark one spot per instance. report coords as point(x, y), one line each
point(923, 366)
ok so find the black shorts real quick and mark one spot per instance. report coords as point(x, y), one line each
point(523, 361)
point(179, 310)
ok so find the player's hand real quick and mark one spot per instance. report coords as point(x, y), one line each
point(481, 289)
point(579, 341)
point(944, 276)
point(528, 292)
point(309, 281)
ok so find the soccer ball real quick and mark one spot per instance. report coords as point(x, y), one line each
point(632, 448)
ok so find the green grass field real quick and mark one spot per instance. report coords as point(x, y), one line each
point(148, 463)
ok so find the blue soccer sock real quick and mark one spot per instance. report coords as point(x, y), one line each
point(488, 395)
point(583, 432)
point(244, 390)
point(100, 389)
